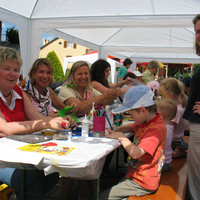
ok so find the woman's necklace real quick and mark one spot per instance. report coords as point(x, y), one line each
point(7, 95)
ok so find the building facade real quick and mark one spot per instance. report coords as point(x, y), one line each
point(62, 48)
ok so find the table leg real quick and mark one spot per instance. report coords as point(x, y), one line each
point(23, 185)
point(117, 158)
point(96, 188)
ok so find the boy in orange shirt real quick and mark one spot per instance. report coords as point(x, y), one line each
point(147, 149)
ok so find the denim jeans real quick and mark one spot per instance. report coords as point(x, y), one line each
point(35, 179)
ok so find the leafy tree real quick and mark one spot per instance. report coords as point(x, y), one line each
point(58, 70)
point(196, 66)
point(12, 35)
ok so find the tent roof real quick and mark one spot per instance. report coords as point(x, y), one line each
point(139, 29)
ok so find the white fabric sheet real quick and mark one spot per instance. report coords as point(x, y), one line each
point(84, 162)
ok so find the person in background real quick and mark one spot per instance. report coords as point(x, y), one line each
point(132, 77)
point(41, 95)
point(151, 70)
point(186, 82)
point(99, 72)
point(154, 86)
point(138, 75)
point(77, 89)
point(18, 116)
point(192, 114)
point(173, 88)
point(124, 69)
point(145, 163)
point(167, 109)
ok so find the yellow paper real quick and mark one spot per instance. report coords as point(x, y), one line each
point(55, 150)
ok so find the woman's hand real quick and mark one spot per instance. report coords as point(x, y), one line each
point(71, 121)
point(127, 81)
point(110, 93)
point(75, 108)
point(118, 91)
point(56, 123)
point(53, 114)
point(196, 108)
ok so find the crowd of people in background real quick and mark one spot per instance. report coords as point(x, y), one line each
point(161, 108)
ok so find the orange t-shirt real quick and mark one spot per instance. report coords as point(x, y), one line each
point(151, 138)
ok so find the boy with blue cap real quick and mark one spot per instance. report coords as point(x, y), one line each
point(147, 149)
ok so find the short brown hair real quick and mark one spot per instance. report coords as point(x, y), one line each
point(153, 64)
point(195, 20)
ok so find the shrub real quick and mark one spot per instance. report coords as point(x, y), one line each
point(58, 74)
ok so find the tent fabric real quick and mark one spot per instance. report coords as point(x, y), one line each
point(139, 29)
point(91, 58)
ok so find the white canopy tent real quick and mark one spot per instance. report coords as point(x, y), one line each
point(91, 58)
point(139, 29)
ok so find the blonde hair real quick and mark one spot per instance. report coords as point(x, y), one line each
point(9, 54)
point(70, 79)
point(35, 66)
point(176, 87)
point(168, 107)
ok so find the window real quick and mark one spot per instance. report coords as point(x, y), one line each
point(69, 45)
point(65, 44)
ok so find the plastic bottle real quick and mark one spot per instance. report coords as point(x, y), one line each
point(85, 127)
point(92, 112)
point(115, 104)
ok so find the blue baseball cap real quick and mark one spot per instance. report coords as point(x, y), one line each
point(135, 97)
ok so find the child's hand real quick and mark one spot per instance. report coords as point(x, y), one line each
point(115, 135)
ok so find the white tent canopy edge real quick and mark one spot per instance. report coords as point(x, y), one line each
point(87, 25)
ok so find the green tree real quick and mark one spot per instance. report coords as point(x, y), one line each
point(196, 66)
point(58, 70)
point(12, 35)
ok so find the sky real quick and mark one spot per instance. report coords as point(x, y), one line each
point(7, 25)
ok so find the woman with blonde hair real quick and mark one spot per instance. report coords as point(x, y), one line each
point(41, 95)
point(18, 116)
point(77, 89)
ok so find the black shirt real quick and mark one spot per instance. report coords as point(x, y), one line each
point(193, 97)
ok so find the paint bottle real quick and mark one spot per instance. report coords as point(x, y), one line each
point(85, 127)
point(92, 112)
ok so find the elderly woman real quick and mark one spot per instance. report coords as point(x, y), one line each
point(77, 89)
point(18, 116)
